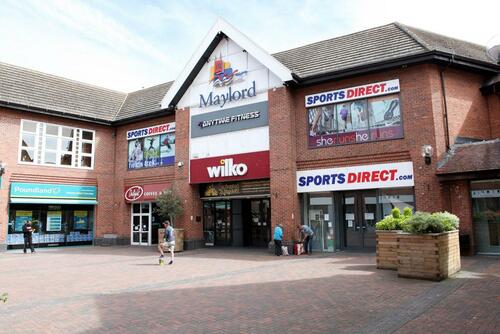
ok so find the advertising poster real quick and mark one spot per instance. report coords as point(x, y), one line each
point(80, 220)
point(385, 118)
point(136, 153)
point(152, 151)
point(167, 149)
point(21, 218)
point(54, 221)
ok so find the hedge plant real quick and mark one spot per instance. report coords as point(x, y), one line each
point(438, 222)
point(394, 221)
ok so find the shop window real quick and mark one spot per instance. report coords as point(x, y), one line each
point(358, 121)
point(58, 145)
point(486, 215)
point(322, 220)
point(396, 198)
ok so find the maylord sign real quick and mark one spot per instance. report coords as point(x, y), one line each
point(221, 75)
point(150, 131)
point(352, 93)
point(228, 120)
point(235, 167)
point(391, 175)
point(141, 193)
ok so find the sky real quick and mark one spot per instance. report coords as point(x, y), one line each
point(129, 45)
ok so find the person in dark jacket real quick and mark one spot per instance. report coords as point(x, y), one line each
point(28, 239)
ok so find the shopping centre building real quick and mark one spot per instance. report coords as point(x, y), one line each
point(332, 134)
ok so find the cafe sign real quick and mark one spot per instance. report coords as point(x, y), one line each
point(144, 193)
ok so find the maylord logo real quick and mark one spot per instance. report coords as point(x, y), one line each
point(222, 74)
point(221, 99)
point(227, 168)
point(134, 193)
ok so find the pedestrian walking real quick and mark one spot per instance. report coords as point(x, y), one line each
point(28, 236)
point(278, 237)
point(168, 243)
point(307, 236)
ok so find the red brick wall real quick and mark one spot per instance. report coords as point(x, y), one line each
point(420, 111)
point(494, 116)
point(101, 175)
point(124, 177)
point(461, 206)
point(285, 206)
point(468, 114)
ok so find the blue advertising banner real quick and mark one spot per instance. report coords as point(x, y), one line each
point(46, 190)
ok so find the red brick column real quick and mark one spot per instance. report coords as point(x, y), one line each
point(461, 205)
point(285, 204)
point(193, 229)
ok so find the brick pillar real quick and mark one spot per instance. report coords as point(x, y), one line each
point(285, 205)
point(461, 206)
point(193, 229)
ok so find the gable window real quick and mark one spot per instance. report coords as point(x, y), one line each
point(56, 145)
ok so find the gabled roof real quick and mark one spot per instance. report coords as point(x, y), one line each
point(219, 30)
point(45, 92)
point(472, 157)
point(365, 49)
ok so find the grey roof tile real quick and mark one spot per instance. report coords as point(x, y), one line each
point(48, 92)
point(143, 101)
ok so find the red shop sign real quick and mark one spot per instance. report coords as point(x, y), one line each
point(246, 166)
point(147, 192)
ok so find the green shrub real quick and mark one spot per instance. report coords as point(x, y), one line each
point(438, 222)
point(394, 221)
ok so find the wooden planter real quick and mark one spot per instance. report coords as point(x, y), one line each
point(428, 256)
point(387, 250)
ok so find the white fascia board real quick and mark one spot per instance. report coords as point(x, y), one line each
point(239, 38)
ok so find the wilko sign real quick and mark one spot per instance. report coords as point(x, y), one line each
point(347, 94)
point(150, 131)
point(244, 166)
point(142, 193)
point(392, 175)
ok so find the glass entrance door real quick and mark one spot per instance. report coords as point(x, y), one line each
point(360, 216)
point(141, 224)
point(223, 231)
point(321, 220)
point(260, 225)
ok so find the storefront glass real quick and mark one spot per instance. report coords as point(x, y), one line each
point(486, 215)
point(321, 219)
point(54, 224)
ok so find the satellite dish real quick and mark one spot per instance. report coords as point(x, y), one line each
point(493, 48)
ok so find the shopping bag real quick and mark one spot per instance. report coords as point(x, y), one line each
point(298, 248)
point(284, 250)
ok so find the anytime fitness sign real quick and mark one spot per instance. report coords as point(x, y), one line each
point(392, 175)
point(140, 193)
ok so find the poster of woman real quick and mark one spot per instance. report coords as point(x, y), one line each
point(136, 153)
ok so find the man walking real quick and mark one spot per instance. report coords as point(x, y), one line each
point(169, 242)
point(278, 237)
point(307, 236)
point(28, 239)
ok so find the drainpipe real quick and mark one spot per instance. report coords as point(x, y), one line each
point(445, 114)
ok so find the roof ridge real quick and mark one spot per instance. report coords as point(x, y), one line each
point(154, 86)
point(120, 107)
point(328, 39)
point(404, 28)
point(61, 78)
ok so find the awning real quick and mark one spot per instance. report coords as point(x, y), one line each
point(52, 201)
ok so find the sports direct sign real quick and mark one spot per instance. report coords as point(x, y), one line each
point(353, 93)
point(152, 130)
point(392, 175)
point(148, 192)
point(235, 167)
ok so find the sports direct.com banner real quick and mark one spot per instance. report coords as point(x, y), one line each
point(392, 175)
point(352, 93)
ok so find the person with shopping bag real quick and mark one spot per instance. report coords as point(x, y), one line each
point(307, 236)
point(278, 238)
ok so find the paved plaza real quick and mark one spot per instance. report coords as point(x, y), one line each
point(124, 290)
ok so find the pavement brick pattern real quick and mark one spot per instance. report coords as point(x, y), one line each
point(124, 290)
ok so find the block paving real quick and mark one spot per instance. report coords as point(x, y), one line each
point(124, 290)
